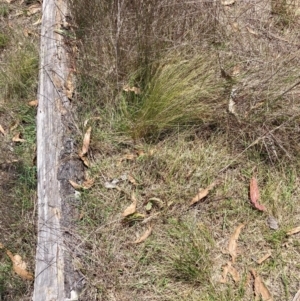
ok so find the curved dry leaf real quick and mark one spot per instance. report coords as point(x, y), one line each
point(16, 138)
point(85, 160)
point(33, 9)
point(254, 195)
point(2, 131)
point(75, 185)
point(202, 194)
point(33, 103)
point(132, 208)
point(293, 231)
point(1, 246)
point(144, 236)
point(232, 271)
point(132, 180)
point(233, 242)
point(227, 2)
point(260, 289)
point(86, 142)
point(88, 183)
point(136, 90)
point(129, 157)
point(19, 266)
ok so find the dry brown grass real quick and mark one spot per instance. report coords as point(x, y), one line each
point(255, 51)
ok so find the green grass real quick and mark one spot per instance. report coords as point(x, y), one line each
point(18, 86)
point(180, 92)
point(19, 79)
point(4, 10)
point(4, 40)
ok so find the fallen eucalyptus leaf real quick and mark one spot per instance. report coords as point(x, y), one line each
point(16, 138)
point(132, 208)
point(233, 242)
point(260, 289)
point(202, 194)
point(254, 195)
point(144, 236)
point(293, 231)
point(2, 131)
point(19, 266)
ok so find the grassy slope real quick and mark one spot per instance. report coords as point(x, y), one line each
point(168, 158)
point(18, 83)
point(184, 256)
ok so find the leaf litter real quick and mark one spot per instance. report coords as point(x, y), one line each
point(132, 208)
point(145, 235)
point(202, 193)
point(260, 289)
point(232, 246)
point(254, 195)
point(19, 266)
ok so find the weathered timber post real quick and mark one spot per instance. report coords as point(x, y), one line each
point(51, 279)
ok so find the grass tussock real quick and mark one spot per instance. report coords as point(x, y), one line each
point(180, 92)
point(19, 76)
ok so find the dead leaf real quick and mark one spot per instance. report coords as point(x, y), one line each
point(2, 131)
point(265, 257)
point(33, 9)
point(132, 180)
point(227, 2)
point(202, 194)
point(33, 103)
point(1, 246)
point(224, 274)
point(85, 160)
point(254, 195)
point(144, 236)
point(16, 138)
point(136, 90)
point(129, 157)
point(75, 185)
point(236, 70)
point(38, 22)
point(250, 30)
point(19, 266)
point(233, 242)
point(14, 126)
point(69, 87)
point(132, 208)
point(260, 289)
point(293, 231)
point(86, 142)
point(232, 271)
point(87, 184)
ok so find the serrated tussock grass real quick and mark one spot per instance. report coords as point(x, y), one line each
point(180, 92)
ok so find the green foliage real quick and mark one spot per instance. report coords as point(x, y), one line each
point(4, 11)
point(4, 40)
point(180, 92)
point(20, 75)
point(190, 253)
